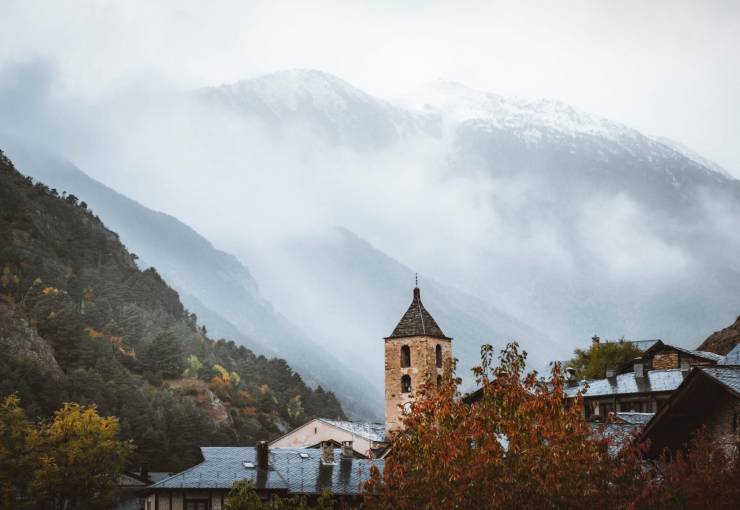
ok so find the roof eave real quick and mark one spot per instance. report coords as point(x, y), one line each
point(396, 337)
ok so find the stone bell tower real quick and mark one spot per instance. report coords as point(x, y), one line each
point(416, 352)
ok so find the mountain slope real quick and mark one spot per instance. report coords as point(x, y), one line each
point(80, 322)
point(211, 283)
point(584, 225)
point(722, 342)
point(366, 292)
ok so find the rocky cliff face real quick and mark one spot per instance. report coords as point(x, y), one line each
point(724, 340)
point(20, 341)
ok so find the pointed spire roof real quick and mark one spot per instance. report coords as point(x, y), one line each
point(417, 321)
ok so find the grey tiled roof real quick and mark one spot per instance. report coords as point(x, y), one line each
point(635, 418)
point(295, 470)
point(623, 384)
point(417, 321)
point(368, 430)
point(701, 354)
point(644, 345)
point(618, 433)
point(732, 358)
point(726, 374)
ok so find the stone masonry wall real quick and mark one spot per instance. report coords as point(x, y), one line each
point(665, 360)
point(423, 366)
point(720, 423)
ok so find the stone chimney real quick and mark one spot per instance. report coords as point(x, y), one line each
point(570, 376)
point(595, 340)
point(685, 367)
point(327, 452)
point(639, 368)
point(610, 372)
point(263, 457)
point(347, 451)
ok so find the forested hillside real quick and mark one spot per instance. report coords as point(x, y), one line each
point(80, 322)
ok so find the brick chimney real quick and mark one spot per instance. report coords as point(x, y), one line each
point(263, 457)
point(327, 452)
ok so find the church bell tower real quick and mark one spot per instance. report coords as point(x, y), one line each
point(415, 353)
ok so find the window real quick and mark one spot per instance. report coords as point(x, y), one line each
point(439, 381)
point(406, 384)
point(605, 408)
point(196, 504)
point(405, 356)
point(438, 354)
point(635, 406)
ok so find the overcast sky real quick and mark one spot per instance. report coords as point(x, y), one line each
point(669, 68)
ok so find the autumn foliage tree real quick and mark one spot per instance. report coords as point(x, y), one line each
point(71, 461)
point(593, 362)
point(523, 445)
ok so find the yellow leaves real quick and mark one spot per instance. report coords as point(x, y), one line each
point(50, 291)
point(295, 407)
point(93, 333)
point(264, 389)
point(223, 373)
point(76, 454)
point(6, 276)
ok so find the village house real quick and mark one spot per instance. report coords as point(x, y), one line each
point(306, 461)
point(643, 386)
point(367, 438)
point(709, 397)
point(272, 471)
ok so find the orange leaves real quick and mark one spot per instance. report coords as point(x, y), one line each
point(93, 333)
point(519, 446)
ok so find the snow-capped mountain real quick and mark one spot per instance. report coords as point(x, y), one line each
point(320, 101)
point(523, 216)
point(586, 225)
point(457, 103)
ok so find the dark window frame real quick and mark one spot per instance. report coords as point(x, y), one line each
point(406, 383)
point(405, 356)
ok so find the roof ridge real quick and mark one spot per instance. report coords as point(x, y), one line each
point(417, 321)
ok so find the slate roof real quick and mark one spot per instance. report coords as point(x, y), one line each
point(367, 430)
point(417, 321)
point(635, 418)
point(732, 358)
point(728, 375)
point(293, 470)
point(625, 384)
point(618, 433)
point(700, 354)
point(644, 345)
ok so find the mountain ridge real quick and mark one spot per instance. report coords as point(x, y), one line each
point(80, 322)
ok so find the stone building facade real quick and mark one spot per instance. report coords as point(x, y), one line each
point(708, 397)
point(417, 353)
